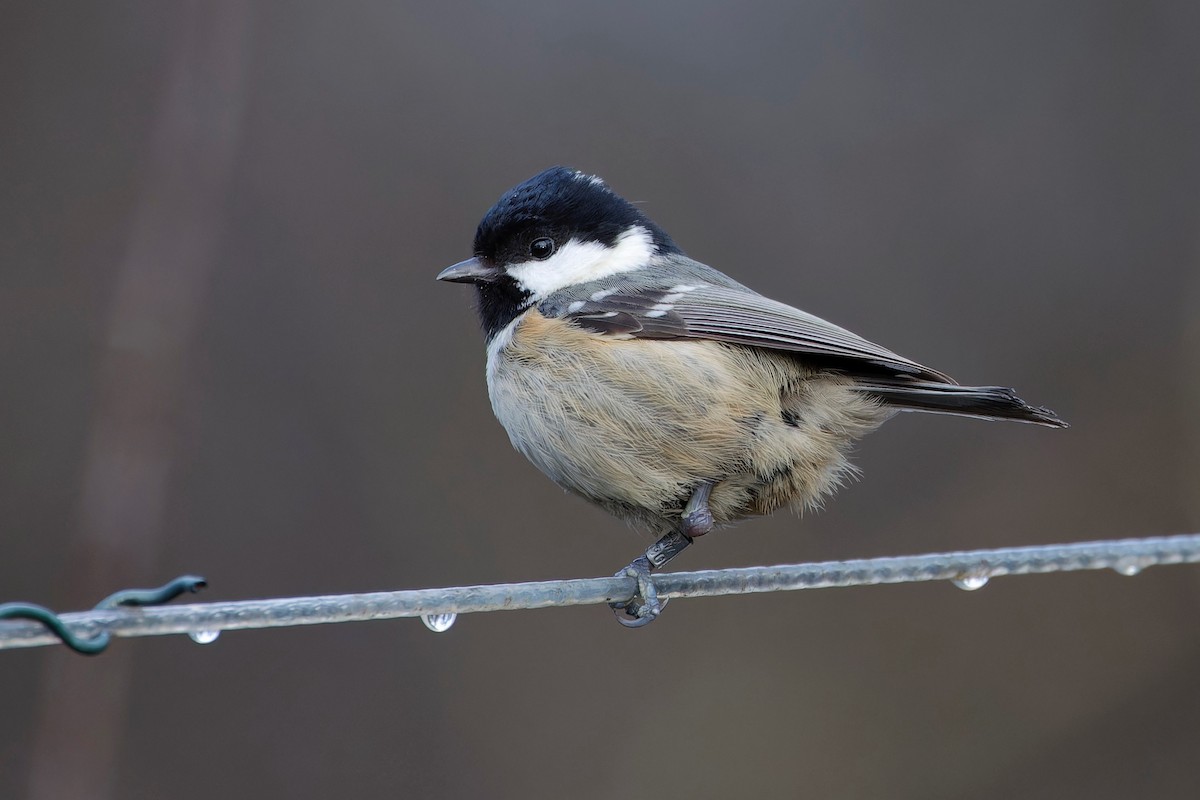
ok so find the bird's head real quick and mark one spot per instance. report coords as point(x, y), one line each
point(558, 229)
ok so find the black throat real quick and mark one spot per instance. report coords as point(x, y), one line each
point(500, 302)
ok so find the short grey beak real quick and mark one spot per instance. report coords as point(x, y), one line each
point(470, 271)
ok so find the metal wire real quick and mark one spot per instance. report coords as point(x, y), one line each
point(967, 569)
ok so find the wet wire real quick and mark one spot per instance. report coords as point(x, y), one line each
point(439, 607)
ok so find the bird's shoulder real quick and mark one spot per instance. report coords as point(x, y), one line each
point(640, 303)
point(678, 298)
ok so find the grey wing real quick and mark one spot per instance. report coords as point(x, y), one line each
point(730, 313)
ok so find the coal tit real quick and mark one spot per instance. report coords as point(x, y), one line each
point(661, 389)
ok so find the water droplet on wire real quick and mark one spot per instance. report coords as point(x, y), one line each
point(1129, 565)
point(971, 582)
point(438, 623)
point(203, 637)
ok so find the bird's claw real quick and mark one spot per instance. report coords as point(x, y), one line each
point(644, 607)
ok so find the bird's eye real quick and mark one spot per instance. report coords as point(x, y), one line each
point(542, 248)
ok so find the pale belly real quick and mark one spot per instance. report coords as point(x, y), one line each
point(636, 425)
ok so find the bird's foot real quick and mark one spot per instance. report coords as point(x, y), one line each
point(644, 607)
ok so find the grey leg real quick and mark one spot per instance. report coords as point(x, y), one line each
point(644, 607)
point(697, 519)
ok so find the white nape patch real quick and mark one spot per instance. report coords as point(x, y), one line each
point(578, 304)
point(498, 343)
point(603, 293)
point(579, 262)
point(594, 180)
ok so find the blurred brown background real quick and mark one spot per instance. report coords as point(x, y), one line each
point(223, 351)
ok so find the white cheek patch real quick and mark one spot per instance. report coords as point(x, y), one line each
point(582, 262)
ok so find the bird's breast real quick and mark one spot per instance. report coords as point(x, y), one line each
point(636, 424)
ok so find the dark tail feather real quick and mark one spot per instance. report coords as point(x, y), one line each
point(985, 402)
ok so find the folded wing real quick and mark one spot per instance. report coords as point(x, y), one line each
point(735, 314)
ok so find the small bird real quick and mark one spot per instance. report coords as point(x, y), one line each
point(663, 390)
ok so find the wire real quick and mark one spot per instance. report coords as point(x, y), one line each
point(968, 570)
